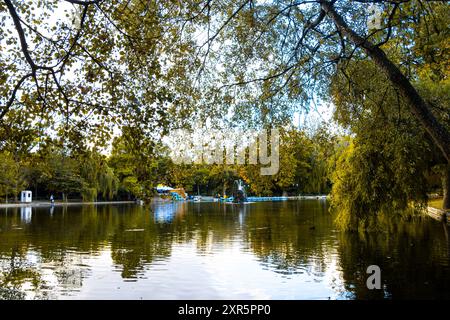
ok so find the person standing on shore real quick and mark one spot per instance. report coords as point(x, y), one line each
point(52, 200)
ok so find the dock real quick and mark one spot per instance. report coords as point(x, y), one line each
point(274, 199)
point(438, 214)
point(258, 199)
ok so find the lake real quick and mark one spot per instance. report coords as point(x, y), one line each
point(200, 250)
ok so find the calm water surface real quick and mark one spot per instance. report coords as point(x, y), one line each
point(272, 250)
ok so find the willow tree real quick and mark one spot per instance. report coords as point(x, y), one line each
point(288, 51)
point(384, 165)
point(387, 163)
point(97, 177)
point(139, 163)
point(292, 47)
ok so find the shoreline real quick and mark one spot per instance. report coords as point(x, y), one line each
point(60, 204)
point(157, 200)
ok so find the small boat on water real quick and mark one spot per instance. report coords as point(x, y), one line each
point(197, 198)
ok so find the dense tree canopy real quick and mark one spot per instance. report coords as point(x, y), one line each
point(78, 75)
point(90, 66)
point(288, 51)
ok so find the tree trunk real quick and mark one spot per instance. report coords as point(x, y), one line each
point(446, 187)
point(16, 199)
point(418, 107)
point(198, 190)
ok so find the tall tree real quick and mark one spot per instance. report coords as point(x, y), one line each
point(384, 166)
point(374, 110)
point(11, 176)
point(292, 48)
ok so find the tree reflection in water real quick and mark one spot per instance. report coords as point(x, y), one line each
point(48, 255)
point(413, 257)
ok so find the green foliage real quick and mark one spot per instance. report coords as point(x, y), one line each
point(11, 176)
point(303, 166)
point(62, 174)
point(88, 194)
point(384, 168)
point(130, 65)
point(370, 180)
point(223, 176)
point(139, 163)
point(96, 67)
point(98, 177)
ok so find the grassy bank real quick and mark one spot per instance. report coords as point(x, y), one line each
point(436, 203)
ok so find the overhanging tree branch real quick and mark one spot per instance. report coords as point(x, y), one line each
point(418, 106)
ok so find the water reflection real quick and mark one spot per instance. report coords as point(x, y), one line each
point(213, 250)
point(165, 212)
point(25, 214)
point(414, 262)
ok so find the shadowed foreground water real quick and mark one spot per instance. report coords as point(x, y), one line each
point(271, 250)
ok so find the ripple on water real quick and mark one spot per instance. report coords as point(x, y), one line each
point(214, 251)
